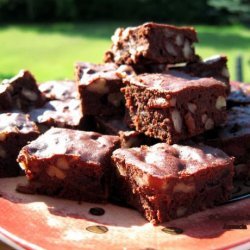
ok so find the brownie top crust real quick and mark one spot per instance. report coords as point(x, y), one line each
point(172, 82)
point(90, 147)
point(164, 161)
point(17, 123)
point(87, 72)
point(169, 29)
point(67, 111)
point(60, 90)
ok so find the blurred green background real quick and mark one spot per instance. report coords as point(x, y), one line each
point(48, 36)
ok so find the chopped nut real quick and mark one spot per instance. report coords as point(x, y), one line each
point(98, 86)
point(170, 49)
point(121, 170)
point(115, 98)
point(2, 136)
point(3, 153)
point(209, 124)
point(141, 180)
point(179, 40)
point(192, 107)
point(177, 121)
point(62, 163)
point(184, 188)
point(204, 118)
point(190, 123)
point(158, 102)
point(225, 72)
point(187, 51)
point(125, 70)
point(22, 165)
point(30, 95)
point(116, 37)
point(220, 102)
point(53, 171)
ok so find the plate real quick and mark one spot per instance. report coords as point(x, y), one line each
point(41, 222)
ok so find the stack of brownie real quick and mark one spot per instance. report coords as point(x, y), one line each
point(158, 137)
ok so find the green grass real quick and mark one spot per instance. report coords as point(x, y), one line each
point(50, 51)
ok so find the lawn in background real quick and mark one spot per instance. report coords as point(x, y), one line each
point(50, 51)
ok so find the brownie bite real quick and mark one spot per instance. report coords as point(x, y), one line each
point(215, 66)
point(166, 182)
point(23, 91)
point(152, 43)
point(234, 139)
point(16, 130)
point(63, 114)
point(70, 164)
point(117, 126)
point(173, 108)
point(99, 88)
point(59, 90)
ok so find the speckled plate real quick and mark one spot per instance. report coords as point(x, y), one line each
point(40, 222)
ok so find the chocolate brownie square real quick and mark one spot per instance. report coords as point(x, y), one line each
point(23, 91)
point(215, 66)
point(16, 130)
point(59, 90)
point(173, 108)
point(165, 182)
point(117, 126)
point(99, 88)
point(234, 139)
point(70, 164)
point(152, 43)
point(64, 114)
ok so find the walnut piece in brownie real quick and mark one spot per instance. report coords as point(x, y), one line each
point(99, 88)
point(70, 164)
point(239, 95)
point(166, 182)
point(174, 108)
point(234, 139)
point(152, 43)
point(215, 66)
point(64, 114)
point(117, 126)
point(59, 90)
point(16, 130)
point(23, 91)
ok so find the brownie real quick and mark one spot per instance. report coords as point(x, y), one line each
point(117, 126)
point(165, 182)
point(64, 114)
point(173, 108)
point(23, 91)
point(215, 66)
point(152, 43)
point(59, 90)
point(16, 130)
point(234, 139)
point(239, 95)
point(99, 88)
point(69, 164)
